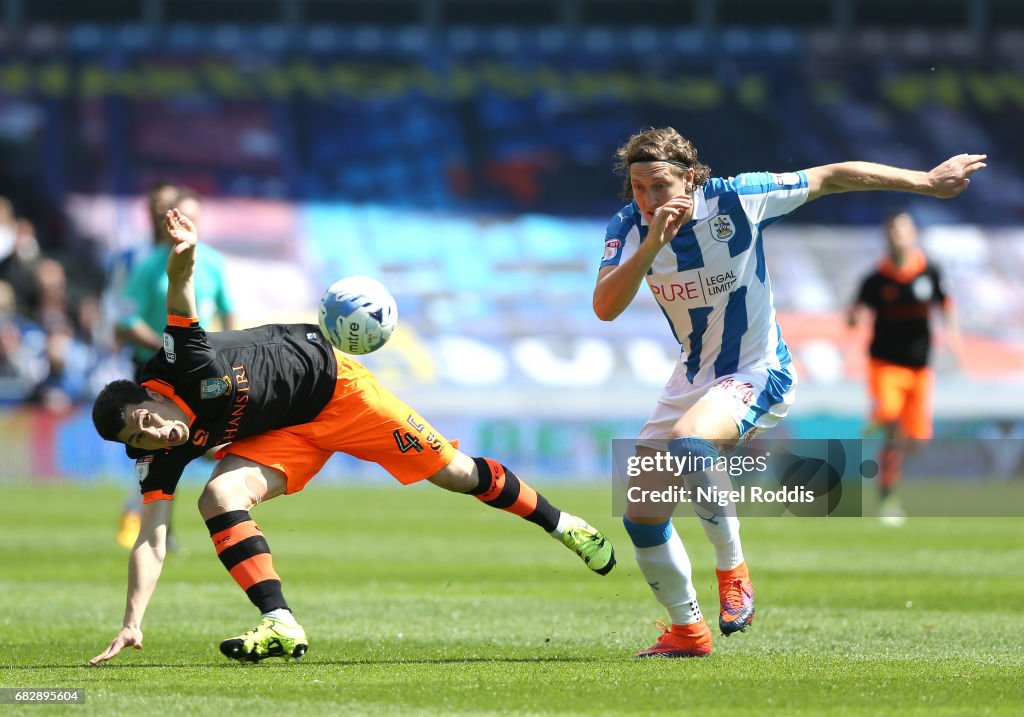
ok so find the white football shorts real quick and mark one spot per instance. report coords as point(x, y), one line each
point(757, 399)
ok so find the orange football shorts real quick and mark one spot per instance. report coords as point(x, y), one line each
point(902, 394)
point(362, 419)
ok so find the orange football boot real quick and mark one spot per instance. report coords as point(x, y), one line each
point(693, 640)
point(736, 594)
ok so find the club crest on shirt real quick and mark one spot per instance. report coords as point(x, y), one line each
point(722, 228)
point(214, 387)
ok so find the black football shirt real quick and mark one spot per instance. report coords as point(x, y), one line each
point(233, 384)
point(902, 304)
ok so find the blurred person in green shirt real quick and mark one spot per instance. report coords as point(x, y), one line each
point(143, 315)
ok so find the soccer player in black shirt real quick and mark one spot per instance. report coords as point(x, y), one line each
point(283, 401)
point(902, 293)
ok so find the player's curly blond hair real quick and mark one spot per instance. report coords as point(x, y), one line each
point(663, 144)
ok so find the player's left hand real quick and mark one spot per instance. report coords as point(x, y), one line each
point(953, 176)
point(181, 230)
point(128, 636)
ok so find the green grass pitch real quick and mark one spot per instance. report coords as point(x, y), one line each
point(421, 602)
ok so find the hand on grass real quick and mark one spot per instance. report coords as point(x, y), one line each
point(128, 636)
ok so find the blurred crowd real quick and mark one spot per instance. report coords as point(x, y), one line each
point(52, 345)
point(63, 334)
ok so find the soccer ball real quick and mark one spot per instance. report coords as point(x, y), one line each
point(358, 314)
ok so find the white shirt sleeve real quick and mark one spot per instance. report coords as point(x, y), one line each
point(767, 196)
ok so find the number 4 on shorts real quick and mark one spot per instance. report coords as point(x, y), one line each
point(407, 442)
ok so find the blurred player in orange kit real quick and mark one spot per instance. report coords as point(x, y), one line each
point(901, 291)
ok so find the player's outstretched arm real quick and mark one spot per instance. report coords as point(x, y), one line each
point(144, 566)
point(945, 181)
point(181, 293)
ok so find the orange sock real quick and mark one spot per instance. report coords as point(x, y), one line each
point(245, 553)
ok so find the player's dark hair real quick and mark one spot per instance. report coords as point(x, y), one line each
point(108, 412)
point(663, 144)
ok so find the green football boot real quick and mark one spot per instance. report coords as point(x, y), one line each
point(271, 638)
point(590, 544)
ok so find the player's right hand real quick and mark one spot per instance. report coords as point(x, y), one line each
point(181, 229)
point(128, 636)
point(669, 218)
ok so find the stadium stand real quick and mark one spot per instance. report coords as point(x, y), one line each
point(487, 145)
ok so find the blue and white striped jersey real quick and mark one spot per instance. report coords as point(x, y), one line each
point(711, 280)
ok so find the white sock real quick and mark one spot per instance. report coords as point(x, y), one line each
point(283, 615)
point(666, 568)
point(719, 522)
point(724, 534)
point(563, 523)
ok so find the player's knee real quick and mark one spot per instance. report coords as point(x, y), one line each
point(691, 445)
point(890, 429)
point(222, 494)
point(683, 429)
point(207, 503)
point(712, 435)
point(708, 421)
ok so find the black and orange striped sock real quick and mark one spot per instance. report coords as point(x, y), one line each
point(243, 550)
point(500, 488)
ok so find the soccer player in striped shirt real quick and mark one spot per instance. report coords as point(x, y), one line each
point(697, 241)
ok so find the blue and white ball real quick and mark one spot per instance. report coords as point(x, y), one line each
point(358, 314)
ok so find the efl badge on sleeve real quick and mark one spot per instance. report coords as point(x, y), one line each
point(169, 348)
point(142, 467)
point(611, 248)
